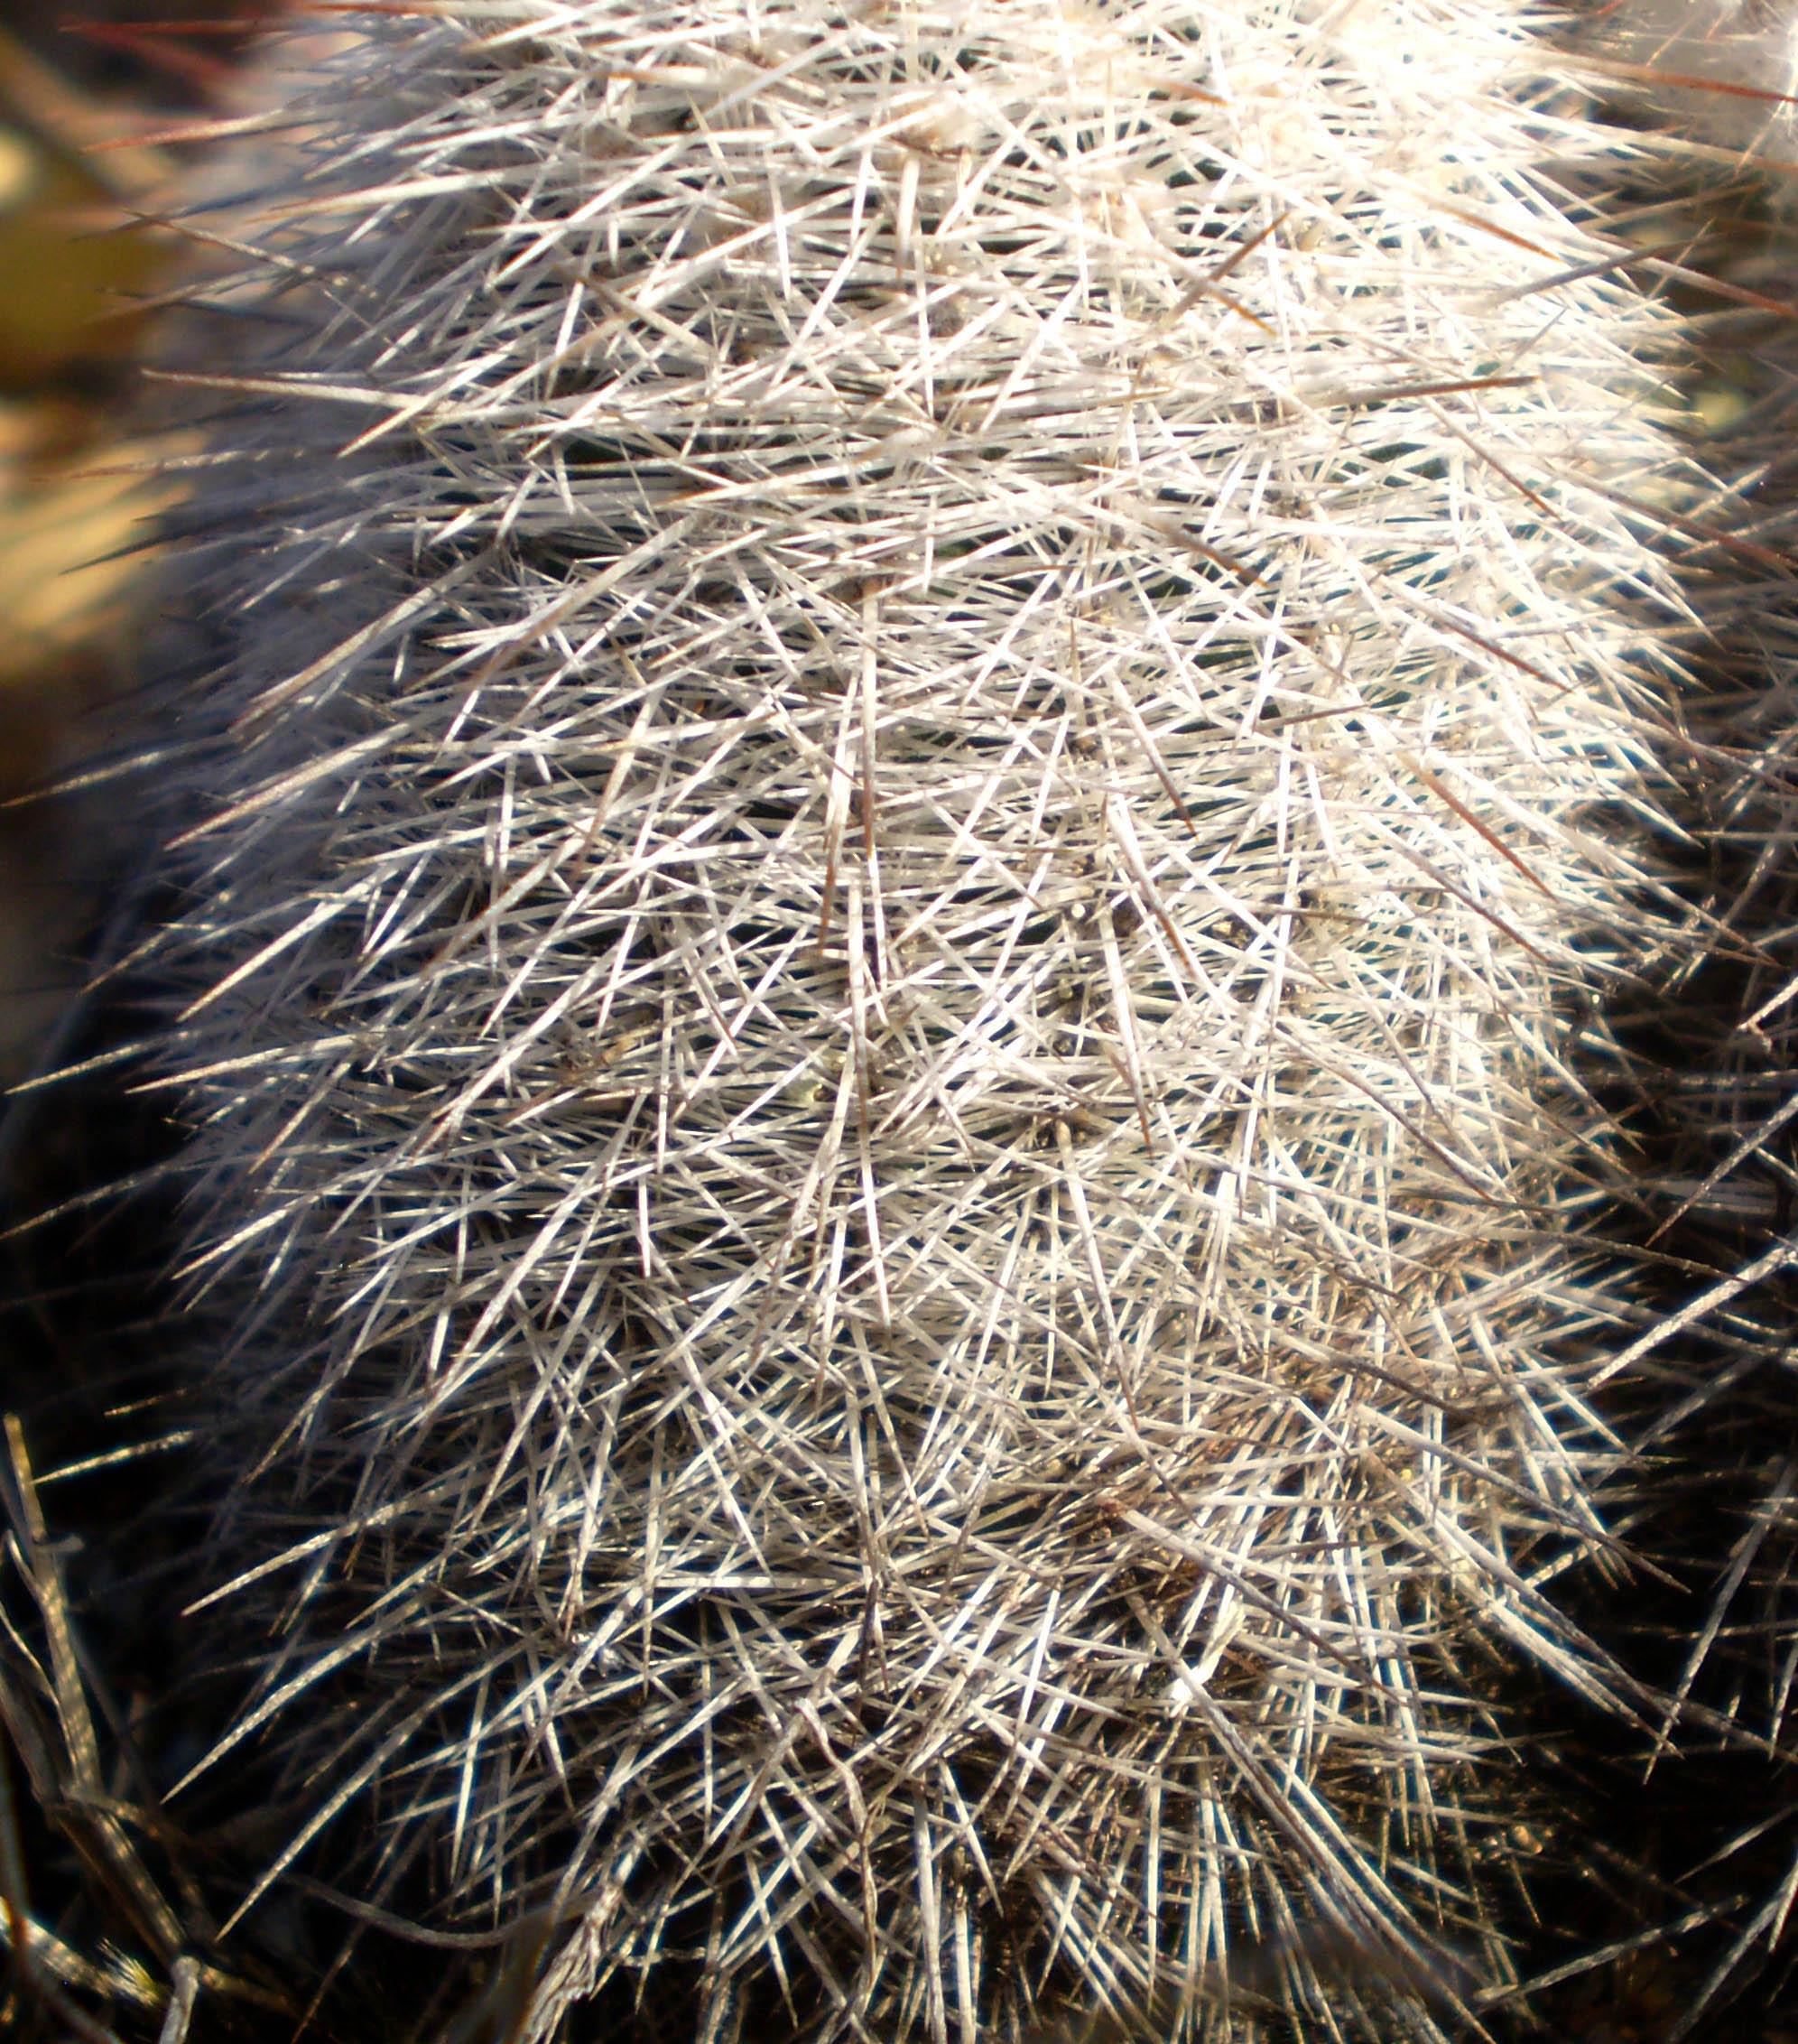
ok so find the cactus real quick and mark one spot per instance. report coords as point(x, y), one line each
point(939, 722)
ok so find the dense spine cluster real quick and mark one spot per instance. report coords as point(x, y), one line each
point(937, 717)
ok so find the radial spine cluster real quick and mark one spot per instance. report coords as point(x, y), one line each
point(937, 715)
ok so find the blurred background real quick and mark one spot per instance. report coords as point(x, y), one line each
point(102, 105)
point(106, 113)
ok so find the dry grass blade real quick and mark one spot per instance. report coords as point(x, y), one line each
point(142, 1963)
